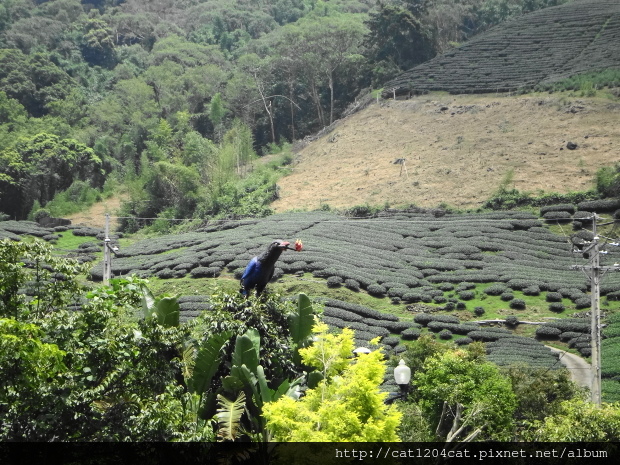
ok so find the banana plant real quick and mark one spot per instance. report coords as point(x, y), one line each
point(165, 309)
point(228, 416)
point(247, 376)
point(300, 325)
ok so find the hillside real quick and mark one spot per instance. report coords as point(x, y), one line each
point(458, 150)
point(544, 46)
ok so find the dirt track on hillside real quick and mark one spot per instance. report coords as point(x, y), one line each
point(457, 150)
point(95, 215)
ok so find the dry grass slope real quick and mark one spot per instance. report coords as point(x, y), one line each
point(458, 150)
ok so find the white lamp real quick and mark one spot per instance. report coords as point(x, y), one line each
point(361, 350)
point(402, 374)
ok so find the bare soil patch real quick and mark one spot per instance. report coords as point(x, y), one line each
point(457, 149)
point(95, 215)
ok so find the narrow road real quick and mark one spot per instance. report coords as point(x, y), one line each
point(580, 369)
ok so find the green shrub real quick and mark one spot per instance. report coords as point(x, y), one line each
point(583, 217)
point(334, 281)
point(391, 341)
point(603, 205)
point(556, 307)
point(446, 287)
point(512, 320)
point(376, 290)
point(479, 311)
point(583, 302)
point(467, 295)
point(410, 334)
point(445, 335)
point(532, 291)
point(562, 207)
point(547, 332)
point(557, 216)
point(507, 296)
point(41, 213)
point(495, 289)
point(464, 286)
point(517, 304)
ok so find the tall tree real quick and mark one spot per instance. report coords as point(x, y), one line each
point(397, 39)
point(260, 71)
point(330, 42)
point(39, 167)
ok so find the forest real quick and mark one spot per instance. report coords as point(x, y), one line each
point(171, 100)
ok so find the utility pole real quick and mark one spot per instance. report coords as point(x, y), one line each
point(107, 255)
point(594, 273)
point(108, 251)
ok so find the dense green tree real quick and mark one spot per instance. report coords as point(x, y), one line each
point(33, 80)
point(539, 392)
point(579, 421)
point(13, 118)
point(465, 397)
point(330, 43)
point(35, 32)
point(98, 45)
point(91, 375)
point(397, 39)
point(608, 181)
point(36, 168)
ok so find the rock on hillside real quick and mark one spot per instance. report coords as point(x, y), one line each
point(545, 46)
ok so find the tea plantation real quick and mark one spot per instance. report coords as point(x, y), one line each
point(439, 273)
point(542, 47)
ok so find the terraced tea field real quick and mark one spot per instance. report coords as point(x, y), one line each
point(459, 277)
point(544, 46)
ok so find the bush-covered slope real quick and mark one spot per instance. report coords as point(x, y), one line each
point(404, 255)
point(541, 47)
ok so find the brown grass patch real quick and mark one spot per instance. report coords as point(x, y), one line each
point(458, 150)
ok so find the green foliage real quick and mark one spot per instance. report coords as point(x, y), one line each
point(506, 199)
point(38, 167)
point(397, 40)
point(33, 80)
point(586, 83)
point(458, 378)
point(229, 416)
point(47, 278)
point(579, 421)
point(345, 406)
point(79, 196)
point(165, 310)
point(100, 374)
point(608, 181)
point(301, 323)
point(539, 392)
point(27, 397)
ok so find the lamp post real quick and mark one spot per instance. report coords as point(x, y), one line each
point(361, 350)
point(402, 376)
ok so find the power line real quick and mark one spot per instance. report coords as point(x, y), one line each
point(359, 219)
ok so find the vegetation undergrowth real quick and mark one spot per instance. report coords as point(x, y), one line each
point(585, 84)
